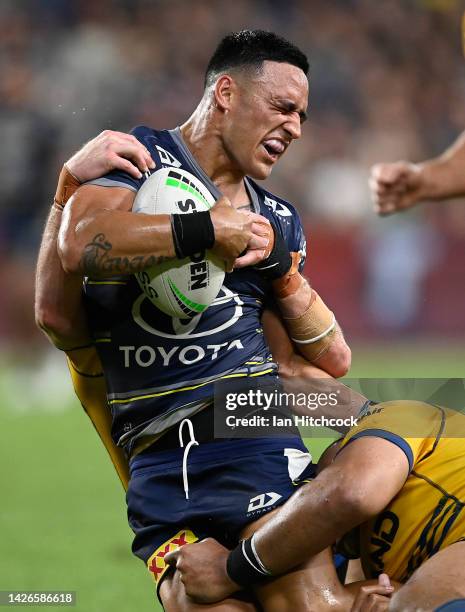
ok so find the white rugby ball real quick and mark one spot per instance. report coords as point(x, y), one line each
point(181, 288)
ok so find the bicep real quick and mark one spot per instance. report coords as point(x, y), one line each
point(90, 210)
point(375, 468)
point(93, 198)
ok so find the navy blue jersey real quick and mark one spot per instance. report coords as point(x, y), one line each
point(160, 370)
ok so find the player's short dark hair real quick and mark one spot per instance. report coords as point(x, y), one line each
point(249, 49)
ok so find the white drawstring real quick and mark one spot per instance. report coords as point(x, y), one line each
point(192, 442)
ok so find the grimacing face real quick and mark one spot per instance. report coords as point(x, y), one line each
point(264, 117)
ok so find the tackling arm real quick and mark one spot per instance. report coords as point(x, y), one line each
point(326, 509)
point(315, 516)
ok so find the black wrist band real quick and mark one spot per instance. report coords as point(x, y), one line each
point(244, 566)
point(192, 233)
point(279, 261)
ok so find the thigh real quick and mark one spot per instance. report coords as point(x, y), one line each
point(313, 586)
point(174, 599)
point(436, 582)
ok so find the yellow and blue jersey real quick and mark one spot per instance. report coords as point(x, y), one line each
point(89, 384)
point(428, 512)
point(160, 370)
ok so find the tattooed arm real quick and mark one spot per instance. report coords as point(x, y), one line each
point(99, 236)
point(58, 308)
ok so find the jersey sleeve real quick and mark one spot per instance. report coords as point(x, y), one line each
point(298, 242)
point(414, 427)
point(119, 178)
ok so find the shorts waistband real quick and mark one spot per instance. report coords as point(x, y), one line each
point(220, 448)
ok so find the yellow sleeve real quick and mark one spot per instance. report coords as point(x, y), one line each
point(415, 427)
point(89, 384)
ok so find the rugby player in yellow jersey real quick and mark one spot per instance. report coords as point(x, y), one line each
point(399, 477)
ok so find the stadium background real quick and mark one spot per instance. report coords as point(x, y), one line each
point(387, 82)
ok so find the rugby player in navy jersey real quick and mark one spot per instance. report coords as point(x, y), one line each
point(159, 373)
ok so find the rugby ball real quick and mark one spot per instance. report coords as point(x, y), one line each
point(181, 288)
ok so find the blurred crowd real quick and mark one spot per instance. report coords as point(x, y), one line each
point(387, 82)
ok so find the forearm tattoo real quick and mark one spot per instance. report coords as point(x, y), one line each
point(98, 259)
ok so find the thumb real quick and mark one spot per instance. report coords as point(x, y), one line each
point(384, 581)
point(172, 557)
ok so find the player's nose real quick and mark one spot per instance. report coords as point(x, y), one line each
point(293, 126)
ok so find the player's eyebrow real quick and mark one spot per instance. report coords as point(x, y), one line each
point(290, 106)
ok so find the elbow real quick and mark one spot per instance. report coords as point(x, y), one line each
point(52, 323)
point(338, 362)
point(48, 321)
point(357, 507)
point(352, 505)
point(343, 361)
point(45, 317)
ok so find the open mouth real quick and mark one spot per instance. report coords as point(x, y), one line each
point(274, 148)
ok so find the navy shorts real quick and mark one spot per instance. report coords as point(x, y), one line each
point(229, 485)
point(456, 605)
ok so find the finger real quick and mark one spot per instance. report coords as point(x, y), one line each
point(384, 580)
point(376, 187)
point(172, 557)
point(257, 218)
point(251, 258)
point(129, 146)
point(140, 144)
point(262, 229)
point(385, 209)
point(136, 152)
point(258, 242)
point(361, 601)
point(121, 163)
point(377, 603)
point(387, 173)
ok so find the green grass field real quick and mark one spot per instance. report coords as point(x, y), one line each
point(62, 513)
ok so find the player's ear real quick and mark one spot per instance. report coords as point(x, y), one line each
point(224, 92)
